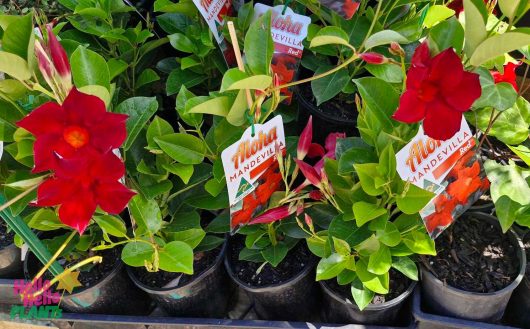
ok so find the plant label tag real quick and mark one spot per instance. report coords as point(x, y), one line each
point(345, 8)
point(450, 169)
point(288, 32)
point(214, 12)
point(1, 149)
point(252, 171)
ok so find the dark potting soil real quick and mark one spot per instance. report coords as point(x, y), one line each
point(6, 238)
point(474, 255)
point(202, 262)
point(294, 263)
point(339, 109)
point(398, 285)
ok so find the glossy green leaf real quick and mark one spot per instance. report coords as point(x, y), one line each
point(111, 225)
point(259, 46)
point(380, 261)
point(330, 267)
point(19, 38)
point(219, 105)
point(139, 110)
point(367, 173)
point(436, 14)
point(406, 266)
point(413, 199)
point(390, 236)
point(89, 68)
point(475, 32)
point(500, 96)
point(184, 171)
point(158, 127)
point(14, 66)
point(365, 212)
point(146, 214)
point(176, 256)
point(330, 35)
point(181, 42)
point(361, 295)
point(184, 148)
point(376, 283)
point(420, 243)
point(329, 86)
point(380, 98)
point(275, 254)
point(447, 34)
point(384, 37)
point(146, 77)
point(137, 253)
point(500, 44)
point(45, 220)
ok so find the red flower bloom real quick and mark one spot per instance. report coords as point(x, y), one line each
point(273, 215)
point(81, 184)
point(79, 124)
point(508, 76)
point(438, 92)
point(309, 173)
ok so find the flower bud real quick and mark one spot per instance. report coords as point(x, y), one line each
point(308, 220)
point(58, 54)
point(395, 49)
point(373, 58)
point(316, 195)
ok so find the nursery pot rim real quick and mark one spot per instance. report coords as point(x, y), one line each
point(100, 283)
point(371, 307)
point(508, 288)
point(306, 103)
point(195, 281)
point(270, 287)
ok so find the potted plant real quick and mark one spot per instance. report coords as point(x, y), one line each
point(367, 253)
point(331, 99)
point(485, 296)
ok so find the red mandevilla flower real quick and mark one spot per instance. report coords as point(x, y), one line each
point(79, 124)
point(438, 92)
point(508, 76)
point(82, 183)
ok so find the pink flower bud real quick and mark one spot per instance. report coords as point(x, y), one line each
point(316, 195)
point(44, 61)
point(299, 209)
point(272, 215)
point(373, 58)
point(308, 220)
point(304, 143)
point(58, 54)
point(395, 49)
point(309, 172)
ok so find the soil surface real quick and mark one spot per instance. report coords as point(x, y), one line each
point(474, 255)
point(340, 109)
point(294, 263)
point(6, 238)
point(202, 262)
point(398, 285)
point(91, 275)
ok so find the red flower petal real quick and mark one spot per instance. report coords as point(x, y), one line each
point(53, 192)
point(331, 143)
point(83, 109)
point(305, 140)
point(411, 109)
point(58, 54)
point(113, 197)
point(309, 172)
point(44, 150)
point(447, 70)
point(316, 150)
point(272, 215)
point(465, 93)
point(78, 211)
point(107, 167)
point(422, 55)
point(441, 122)
point(110, 133)
point(45, 119)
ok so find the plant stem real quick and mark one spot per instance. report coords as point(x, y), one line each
point(376, 16)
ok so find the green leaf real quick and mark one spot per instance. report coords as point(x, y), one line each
point(389, 72)
point(178, 78)
point(436, 14)
point(139, 110)
point(387, 162)
point(137, 253)
point(189, 118)
point(219, 105)
point(348, 231)
point(329, 86)
point(18, 38)
point(116, 67)
point(220, 224)
point(508, 180)
point(406, 266)
point(235, 81)
point(184, 171)
point(157, 128)
point(384, 37)
point(192, 236)
point(365, 212)
point(251, 255)
point(330, 35)
point(346, 277)
point(522, 152)
point(420, 243)
point(360, 294)
point(89, 68)
point(184, 148)
point(380, 262)
point(511, 126)
point(176, 256)
point(244, 16)
point(475, 32)
point(390, 236)
point(275, 254)
point(146, 77)
point(413, 199)
point(367, 173)
point(181, 42)
point(214, 187)
point(236, 115)
point(447, 34)
point(380, 98)
point(146, 214)
point(209, 242)
point(341, 247)
point(45, 220)
point(376, 283)
point(98, 91)
point(500, 96)
point(330, 267)
point(368, 246)
point(500, 44)
point(509, 8)
point(112, 225)
point(14, 66)
point(259, 46)
point(319, 247)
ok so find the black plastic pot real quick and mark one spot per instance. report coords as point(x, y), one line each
point(336, 309)
point(518, 311)
point(206, 296)
point(297, 299)
point(488, 307)
point(323, 123)
point(10, 262)
point(114, 294)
